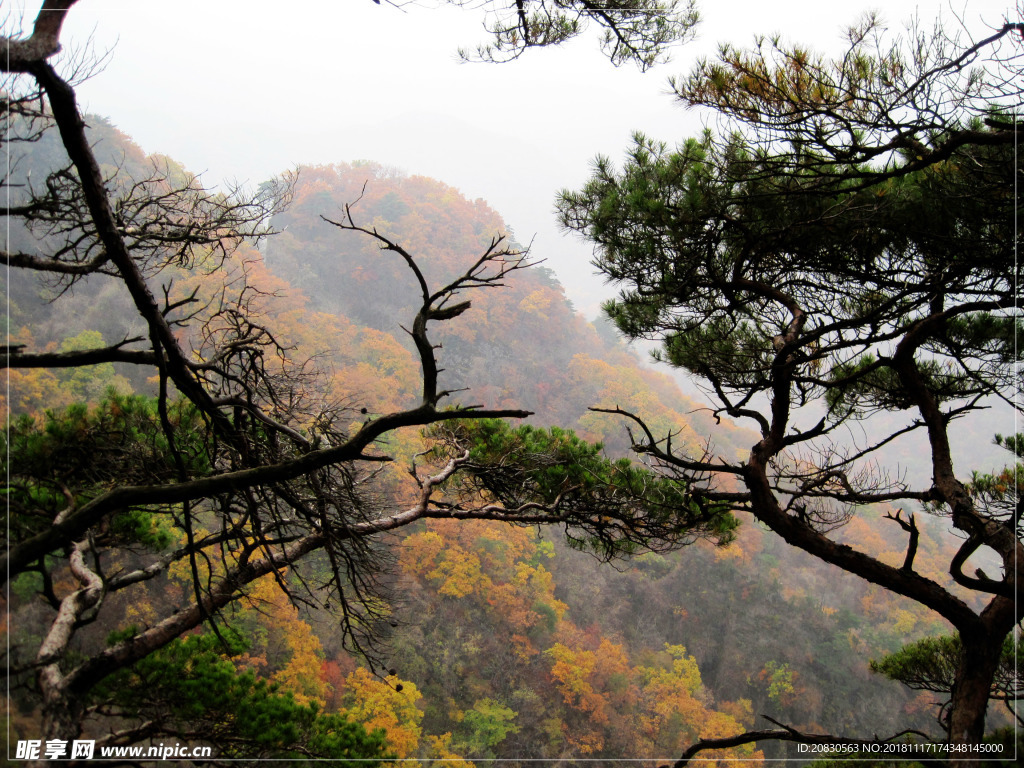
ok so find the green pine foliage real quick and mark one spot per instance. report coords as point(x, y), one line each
point(89, 448)
point(613, 507)
point(930, 664)
point(190, 687)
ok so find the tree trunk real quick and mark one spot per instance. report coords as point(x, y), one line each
point(979, 659)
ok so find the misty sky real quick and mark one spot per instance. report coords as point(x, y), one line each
point(243, 90)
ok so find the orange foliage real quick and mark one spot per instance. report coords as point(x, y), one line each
point(605, 704)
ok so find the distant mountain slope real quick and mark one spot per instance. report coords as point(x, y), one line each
point(524, 345)
point(521, 344)
point(746, 614)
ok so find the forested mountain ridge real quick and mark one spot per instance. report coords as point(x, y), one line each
point(507, 644)
point(522, 343)
point(523, 339)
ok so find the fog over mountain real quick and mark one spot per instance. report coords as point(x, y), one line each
point(238, 91)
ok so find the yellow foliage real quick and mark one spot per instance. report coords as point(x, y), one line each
point(460, 574)
point(181, 571)
point(537, 305)
point(379, 704)
point(442, 756)
point(732, 552)
point(571, 670)
point(141, 614)
point(672, 711)
point(719, 725)
point(421, 553)
point(585, 742)
point(301, 675)
point(904, 622)
point(741, 710)
point(290, 643)
point(684, 671)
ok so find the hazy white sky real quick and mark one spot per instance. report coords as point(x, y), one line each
point(243, 89)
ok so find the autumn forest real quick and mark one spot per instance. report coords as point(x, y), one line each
point(330, 468)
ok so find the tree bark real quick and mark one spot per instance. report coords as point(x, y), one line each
point(976, 671)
